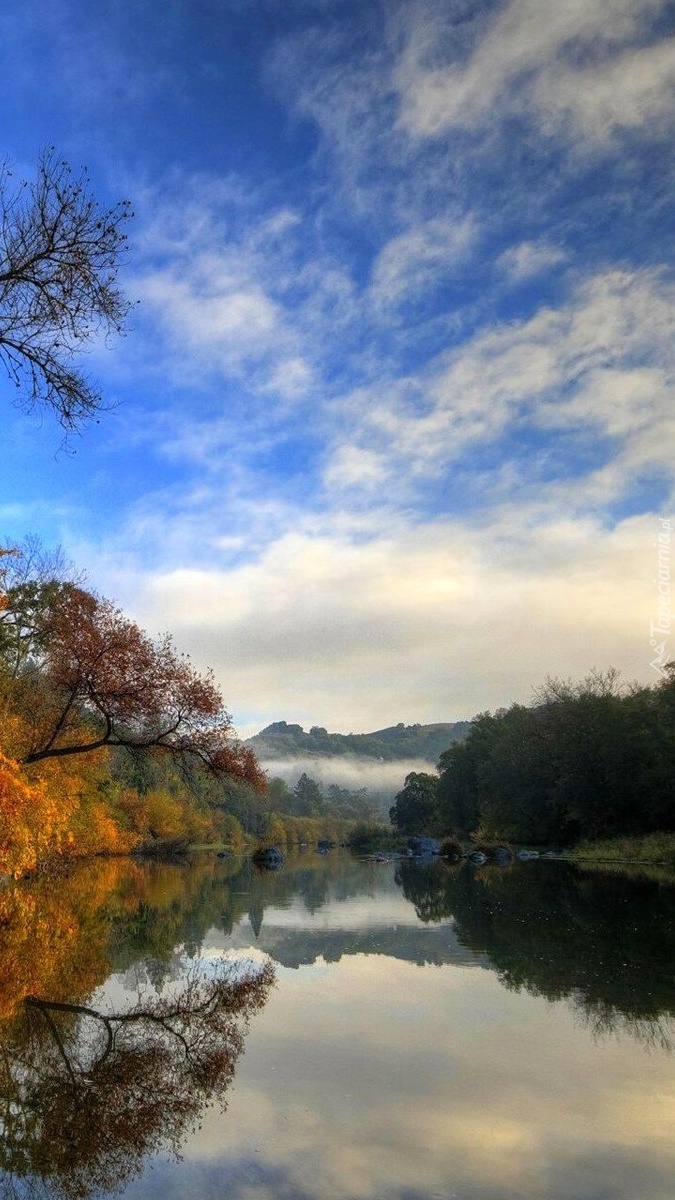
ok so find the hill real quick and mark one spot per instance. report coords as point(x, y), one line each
point(425, 743)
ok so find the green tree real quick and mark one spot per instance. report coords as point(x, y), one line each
point(353, 805)
point(308, 800)
point(590, 758)
point(279, 795)
point(415, 807)
point(32, 578)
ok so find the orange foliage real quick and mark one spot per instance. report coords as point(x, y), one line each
point(60, 810)
point(70, 806)
point(35, 945)
point(53, 933)
point(161, 815)
point(100, 681)
point(33, 819)
point(140, 693)
point(94, 830)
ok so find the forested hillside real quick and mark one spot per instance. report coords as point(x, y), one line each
point(395, 743)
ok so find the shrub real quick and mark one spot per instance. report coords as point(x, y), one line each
point(451, 848)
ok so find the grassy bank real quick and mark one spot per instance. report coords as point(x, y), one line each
point(650, 850)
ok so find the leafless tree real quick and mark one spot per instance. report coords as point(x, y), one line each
point(59, 259)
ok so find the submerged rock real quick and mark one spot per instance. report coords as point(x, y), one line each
point(424, 846)
point(269, 857)
point(501, 856)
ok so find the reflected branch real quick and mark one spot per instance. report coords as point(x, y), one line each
point(86, 1095)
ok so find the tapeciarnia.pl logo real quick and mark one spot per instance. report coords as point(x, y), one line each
point(659, 630)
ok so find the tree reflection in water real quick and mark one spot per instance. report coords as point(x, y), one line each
point(86, 1095)
point(603, 942)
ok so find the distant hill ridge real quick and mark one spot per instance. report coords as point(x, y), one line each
point(425, 742)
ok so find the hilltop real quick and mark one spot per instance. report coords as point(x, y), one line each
point(281, 741)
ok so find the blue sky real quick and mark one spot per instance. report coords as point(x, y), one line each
point(392, 427)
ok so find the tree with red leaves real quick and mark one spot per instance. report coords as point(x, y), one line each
point(99, 680)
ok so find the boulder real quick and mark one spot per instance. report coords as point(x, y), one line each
point(501, 856)
point(477, 858)
point(424, 846)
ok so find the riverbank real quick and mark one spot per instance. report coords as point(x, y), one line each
point(652, 849)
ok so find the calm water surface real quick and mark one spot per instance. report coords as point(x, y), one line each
point(431, 1031)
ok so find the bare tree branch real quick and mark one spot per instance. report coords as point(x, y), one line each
point(59, 258)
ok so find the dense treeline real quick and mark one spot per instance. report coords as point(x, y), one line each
point(587, 760)
point(309, 799)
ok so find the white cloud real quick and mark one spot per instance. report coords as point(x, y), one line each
point(291, 379)
point(201, 314)
point(410, 265)
point(601, 364)
point(574, 64)
point(219, 274)
point(528, 259)
point(636, 91)
point(361, 616)
point(430, 622)
point(355, 467)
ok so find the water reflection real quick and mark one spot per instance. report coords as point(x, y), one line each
point(88, 1091)
point(605, 942)
point(419, 1066)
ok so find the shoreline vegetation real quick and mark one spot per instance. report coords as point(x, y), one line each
point(588, 770)
point(651, 850)
point(656, 850)
point(112, 743)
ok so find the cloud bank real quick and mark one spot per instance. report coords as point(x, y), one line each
point(395, 427)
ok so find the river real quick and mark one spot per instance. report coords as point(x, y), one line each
point(430, 1031)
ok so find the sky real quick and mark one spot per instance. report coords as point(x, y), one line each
point(391, 433)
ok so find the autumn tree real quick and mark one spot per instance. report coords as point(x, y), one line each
point(96, 679)
point(92, 1093)
point(59, 259)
